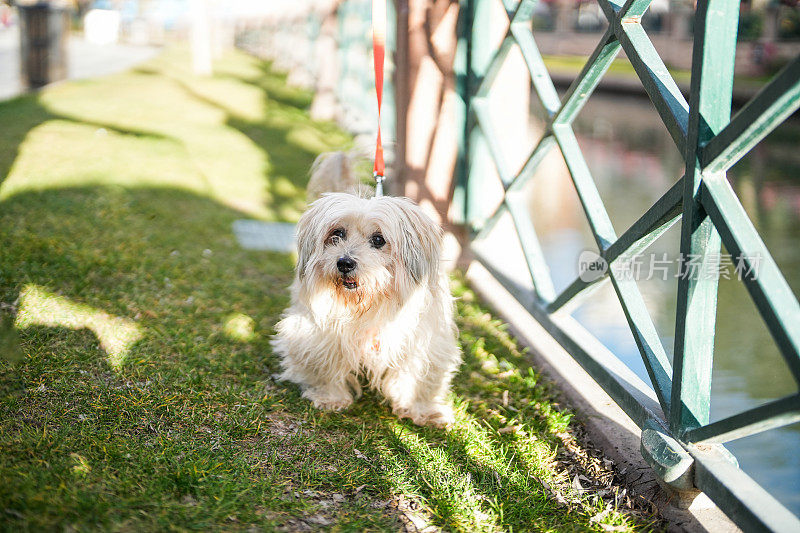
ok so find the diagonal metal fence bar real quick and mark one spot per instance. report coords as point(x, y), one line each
point(649, 227)
point(769, 289)
point(599, 62)
point(657, 81)
point(674, 407)
point(772, 105)
point(772, 415)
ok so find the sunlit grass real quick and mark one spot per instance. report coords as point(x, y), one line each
point(38, 307)
point(158, 126)
point(622, 67)
point(240, 327)
point(145, 399)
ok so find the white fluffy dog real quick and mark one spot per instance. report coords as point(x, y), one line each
point(369, 300)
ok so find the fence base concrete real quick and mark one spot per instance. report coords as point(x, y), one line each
point(607, 425)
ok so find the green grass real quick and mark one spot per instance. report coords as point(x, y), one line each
point(622, 67)
point(141, 395)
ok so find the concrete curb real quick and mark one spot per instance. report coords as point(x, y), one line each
point(606, 424)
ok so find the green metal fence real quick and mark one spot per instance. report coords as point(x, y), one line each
point(683, 446)
point(356, 90)
point(291, 42)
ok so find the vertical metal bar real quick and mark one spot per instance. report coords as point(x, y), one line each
point(709, 111)
point(462, 69)
point(480, 159)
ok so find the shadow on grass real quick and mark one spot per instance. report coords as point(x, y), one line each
point(175, 422)
point(188, 416)
point(160, 257)
point(289, 160)
point(162, 433)
point(20, 115)
point(185, 426)
point(287, 136)
point(511, 459)
point(271, 82)
point(470, 494)
point(274, 85)
point(167, 424)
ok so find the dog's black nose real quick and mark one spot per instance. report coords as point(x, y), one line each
point(345, 264)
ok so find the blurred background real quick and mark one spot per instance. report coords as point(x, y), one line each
point(324, 46)
point(42, 42)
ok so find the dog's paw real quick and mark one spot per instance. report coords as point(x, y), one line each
point(330, 401)
point(441, 417)
point(438, 416)
point(333, 404)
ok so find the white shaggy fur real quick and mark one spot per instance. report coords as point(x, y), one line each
point(389, 320)
point(331, 172)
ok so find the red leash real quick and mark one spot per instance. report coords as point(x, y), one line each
point(378, 51)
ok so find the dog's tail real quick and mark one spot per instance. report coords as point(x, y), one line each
point(332, 172)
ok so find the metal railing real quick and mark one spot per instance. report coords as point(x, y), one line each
point(678, 440)
point(290, 39)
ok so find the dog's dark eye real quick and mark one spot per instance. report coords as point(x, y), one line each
point(377, 240)
point(337, 235)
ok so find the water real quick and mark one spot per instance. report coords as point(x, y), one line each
point(634, 161)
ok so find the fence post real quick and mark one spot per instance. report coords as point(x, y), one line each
point(480, 163)
point(709, 111)
point(462, 69)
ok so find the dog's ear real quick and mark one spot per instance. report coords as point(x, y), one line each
point(308, 237)
point(420, 243)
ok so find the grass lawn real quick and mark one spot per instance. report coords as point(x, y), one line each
point(141, 395)
point(621, 67)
